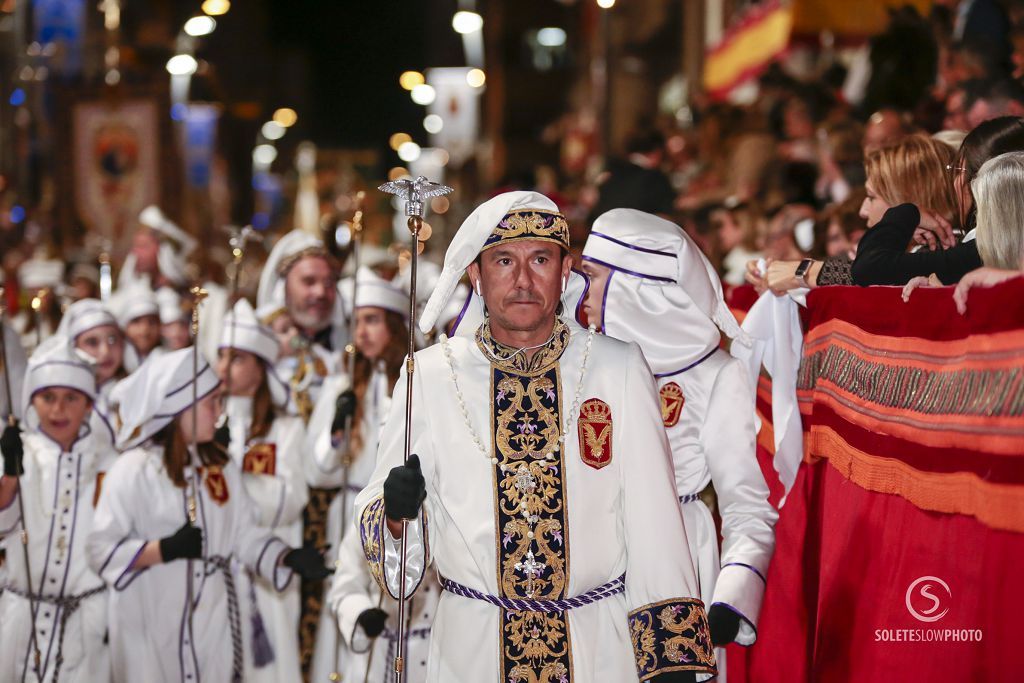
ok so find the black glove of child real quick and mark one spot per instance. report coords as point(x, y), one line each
point(13, 450)
point(372, 621)
point(307, 562)
point(184, 544)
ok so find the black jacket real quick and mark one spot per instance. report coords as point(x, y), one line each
point(882, 257)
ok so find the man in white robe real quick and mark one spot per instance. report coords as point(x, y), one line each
point(542, 486)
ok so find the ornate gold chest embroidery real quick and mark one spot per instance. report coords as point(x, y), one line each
point(531, 519)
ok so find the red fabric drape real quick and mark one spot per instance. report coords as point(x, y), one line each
point(913, 415)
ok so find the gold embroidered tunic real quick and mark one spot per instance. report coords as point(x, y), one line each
point(529, 522)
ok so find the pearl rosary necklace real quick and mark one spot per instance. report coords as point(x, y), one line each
point(573, 413)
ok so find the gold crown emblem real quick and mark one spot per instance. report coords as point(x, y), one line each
point(671, 390)
point(596, 410)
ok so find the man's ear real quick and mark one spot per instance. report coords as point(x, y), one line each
point(567, 262)
point(473, 271)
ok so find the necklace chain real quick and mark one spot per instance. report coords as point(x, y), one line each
point(573, 413)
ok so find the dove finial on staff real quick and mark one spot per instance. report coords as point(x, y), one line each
point(415, 192)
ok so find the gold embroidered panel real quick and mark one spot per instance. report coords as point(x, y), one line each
point(531, 519)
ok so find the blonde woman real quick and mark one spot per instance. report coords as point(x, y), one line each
point(909, 197)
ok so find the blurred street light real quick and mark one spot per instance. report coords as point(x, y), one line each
point(476, 78)
point(409, 151)
point(410, 79)
point(606, 4)
point(399, 139)
point(182, 65)
point(467, 22)
point(272, 130)
point(423, 94)
point(433, 123)
point(285, 117)
point(200, 26)
point(215, 8)
point(551, 36)
point(264, 155)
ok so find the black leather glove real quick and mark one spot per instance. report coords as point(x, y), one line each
point(724, 625)
point(184, 544)
point(222, 437)
point(13, 450)
point(307, 562)
point(344, 409)
point(372, 621)
point(404, 490)
point(676, 677)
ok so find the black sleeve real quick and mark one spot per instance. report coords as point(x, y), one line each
point(835, 270)
point(882, 257)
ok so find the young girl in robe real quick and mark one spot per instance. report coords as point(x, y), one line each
point(173, 517)
point(266, 444)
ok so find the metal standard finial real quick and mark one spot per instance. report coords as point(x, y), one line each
point(415, 192)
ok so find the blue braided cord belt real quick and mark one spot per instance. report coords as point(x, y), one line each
point(689, 498)
point(613, 587)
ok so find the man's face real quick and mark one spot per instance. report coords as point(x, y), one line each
point(592, 304)
point(145, 246)
point(521, 283)
point(310, 292)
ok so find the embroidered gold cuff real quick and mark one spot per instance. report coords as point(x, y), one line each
point(671, 635)
point(371, 533)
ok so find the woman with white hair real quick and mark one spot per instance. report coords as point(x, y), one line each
point(998, 193)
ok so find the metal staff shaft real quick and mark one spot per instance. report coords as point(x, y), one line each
point(415, 223)
point(12, 421)
point(415, 193)
point(237, 241)
point(350, 351)
point(199, 294)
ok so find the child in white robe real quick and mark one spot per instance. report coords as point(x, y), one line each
point(52, 477)
point(266, 443)
point(171, 520)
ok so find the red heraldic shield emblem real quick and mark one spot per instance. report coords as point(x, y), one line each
point(595, 432)
point(672, 403)
point(216, 484)
point(261, 459)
